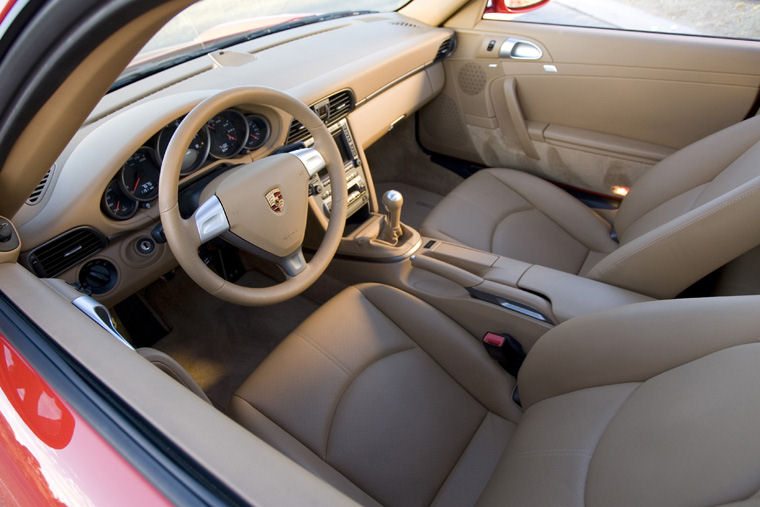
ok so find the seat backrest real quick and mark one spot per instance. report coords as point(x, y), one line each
point(688, 215)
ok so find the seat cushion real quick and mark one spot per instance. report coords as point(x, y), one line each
point(391, 402)
point(685, 437)
point(520, 216)
point(385, 398)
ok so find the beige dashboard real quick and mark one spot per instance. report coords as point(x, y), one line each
point(388, 64)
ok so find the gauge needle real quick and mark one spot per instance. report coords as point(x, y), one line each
point(254, 137)
point(232, 138)
point(136, 183)
point(118, 203)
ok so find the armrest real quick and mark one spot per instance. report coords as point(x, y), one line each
point(573, 295)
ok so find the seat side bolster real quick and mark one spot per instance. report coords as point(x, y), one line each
point(577, 219)
point(256, 422)
point(448, 344)
point(634, 343)
point(666, 260)
point(695, 165)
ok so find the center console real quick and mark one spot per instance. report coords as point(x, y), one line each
point(369, 235)
point(482, 291)
point(356, 181)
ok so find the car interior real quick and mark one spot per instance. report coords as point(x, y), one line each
point(412, 257)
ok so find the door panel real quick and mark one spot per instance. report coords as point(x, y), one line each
point(597, 109)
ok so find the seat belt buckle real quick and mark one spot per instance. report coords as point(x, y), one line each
point(505, 350)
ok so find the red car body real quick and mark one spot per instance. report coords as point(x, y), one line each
point(49, 455)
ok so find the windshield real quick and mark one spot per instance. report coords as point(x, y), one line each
point(208, 25)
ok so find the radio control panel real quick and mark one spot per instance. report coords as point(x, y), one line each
point(358, 194)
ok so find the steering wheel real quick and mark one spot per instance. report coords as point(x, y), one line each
point(260, 206)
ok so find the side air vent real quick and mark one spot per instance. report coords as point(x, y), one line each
point(330, 110)
point(39, 190)
point(446, 48)
point(65, 251)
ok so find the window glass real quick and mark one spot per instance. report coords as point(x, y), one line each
point(718, 18)
point(209, 24)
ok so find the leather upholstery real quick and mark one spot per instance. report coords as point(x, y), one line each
point(168, 365)
point(520, 216)
point(391, 402)
point(420, 432)
point(688, 215)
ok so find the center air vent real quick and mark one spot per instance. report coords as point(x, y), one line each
point(446, 48)
point(331, 110)
point(65, 251)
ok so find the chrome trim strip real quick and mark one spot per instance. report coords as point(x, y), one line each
point(509, 304)
point(100, 315)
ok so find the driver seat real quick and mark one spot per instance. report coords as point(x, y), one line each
point(393, 403)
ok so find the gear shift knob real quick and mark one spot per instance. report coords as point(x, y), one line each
point(392, 201)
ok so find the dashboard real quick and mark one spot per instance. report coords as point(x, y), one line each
point(223, 137)
point(93, 219)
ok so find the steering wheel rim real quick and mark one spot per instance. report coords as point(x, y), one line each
point(183, 235)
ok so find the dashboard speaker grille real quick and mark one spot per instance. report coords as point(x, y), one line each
point(337, 107)
point(65, 251)
point(39, 190)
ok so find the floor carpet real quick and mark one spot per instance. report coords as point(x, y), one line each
point(217, 342)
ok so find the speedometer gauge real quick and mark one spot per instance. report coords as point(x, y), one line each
point(139, 175)
point(228, 131)
point(116, 204)
point(196, 153)
point(258, 131)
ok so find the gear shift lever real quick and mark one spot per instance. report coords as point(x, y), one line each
point(391, 228)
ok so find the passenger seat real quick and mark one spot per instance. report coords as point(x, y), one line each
point(688, 215)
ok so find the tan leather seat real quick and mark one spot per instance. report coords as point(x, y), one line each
point(391, 402)
point(688, 215)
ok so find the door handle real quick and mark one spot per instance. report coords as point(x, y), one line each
point(520, 49)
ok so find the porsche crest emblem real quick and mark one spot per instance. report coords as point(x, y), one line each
point(276, 200)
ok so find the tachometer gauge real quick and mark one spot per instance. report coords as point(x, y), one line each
point(196, 153)
point(258, 131)
point(228, 131)
point(116, 204)
point(139, 175)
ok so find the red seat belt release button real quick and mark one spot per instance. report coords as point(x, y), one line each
point(493, 339)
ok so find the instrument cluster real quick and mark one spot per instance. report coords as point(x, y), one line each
point(224, 136)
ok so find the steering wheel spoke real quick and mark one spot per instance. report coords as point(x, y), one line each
point(312, 160)
point(293, 264)
point(210, 219)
